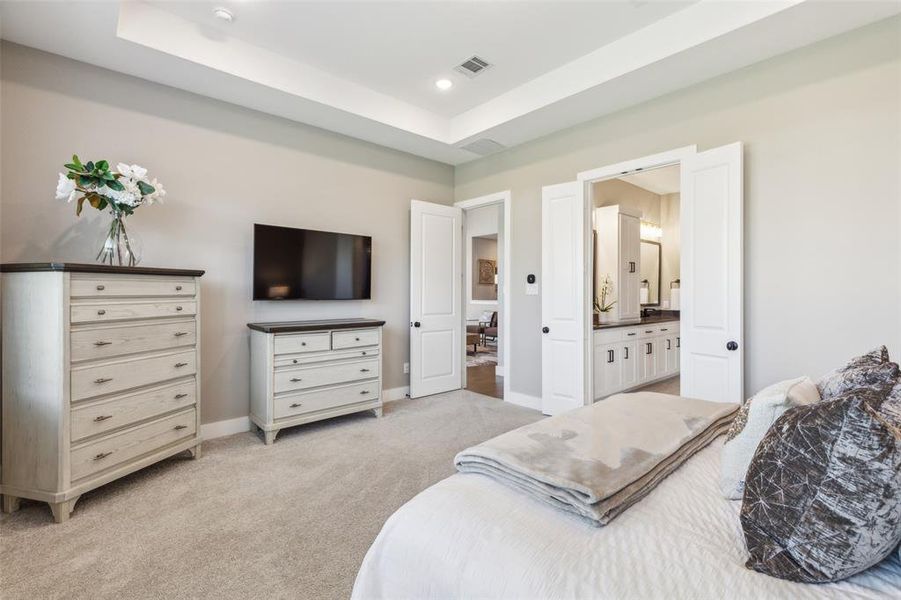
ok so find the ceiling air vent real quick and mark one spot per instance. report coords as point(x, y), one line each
point(483, 147)
point(473, 66)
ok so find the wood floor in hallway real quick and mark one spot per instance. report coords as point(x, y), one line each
point(482, 380)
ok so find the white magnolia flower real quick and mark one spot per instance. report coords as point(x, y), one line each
point(65, 189)
point(131, 171)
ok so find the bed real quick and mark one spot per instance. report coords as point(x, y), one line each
point(471, 537)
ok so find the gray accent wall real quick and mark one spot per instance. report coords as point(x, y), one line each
point(822, 134)
point(225, 167)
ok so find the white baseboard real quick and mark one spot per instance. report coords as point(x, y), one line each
point(209, 431)
point(524, 400)
point(398, 393)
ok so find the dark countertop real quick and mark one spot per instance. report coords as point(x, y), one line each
point(661, 317)
point(290, 326)
point(95, 268)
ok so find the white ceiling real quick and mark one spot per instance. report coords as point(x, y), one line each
point(664, 180)
point(367, 69)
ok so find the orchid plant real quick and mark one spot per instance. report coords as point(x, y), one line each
point(600, 304)
point(122, 191)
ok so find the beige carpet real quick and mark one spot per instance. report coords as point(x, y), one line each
point(292, 520)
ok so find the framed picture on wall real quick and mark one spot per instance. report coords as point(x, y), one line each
point(486, 271)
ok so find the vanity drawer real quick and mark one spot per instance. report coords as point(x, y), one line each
point(100, 417)
point(669, 328)
point(121, 375)
point(606, 336)
point(355, 338)
point(299, 379)
point(298, 404)
point(117, 311)
point(300, 342)
point(131, 443)
point(290, 360)
point(121, 287)
point(106, 342)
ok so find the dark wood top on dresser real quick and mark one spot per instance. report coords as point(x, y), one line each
point(95, 268)
point(661, 317)
point(290, 326)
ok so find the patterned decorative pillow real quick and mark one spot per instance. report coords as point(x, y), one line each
point(823, 494)
point(752, 422)
point(872, 369)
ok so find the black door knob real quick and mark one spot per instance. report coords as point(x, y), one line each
point(416, 323)
point(732, 346)
point(545, 330)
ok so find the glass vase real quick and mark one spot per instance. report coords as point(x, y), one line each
point(121, 247)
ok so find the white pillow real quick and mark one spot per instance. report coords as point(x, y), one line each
point(751, 424)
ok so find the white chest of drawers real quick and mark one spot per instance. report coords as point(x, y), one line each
point(305, 371)
point(100, 376)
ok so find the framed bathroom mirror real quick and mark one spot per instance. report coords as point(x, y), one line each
point(651, 253)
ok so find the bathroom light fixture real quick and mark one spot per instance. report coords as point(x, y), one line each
point(223, 14)
point(651, 231)
point(444, 84)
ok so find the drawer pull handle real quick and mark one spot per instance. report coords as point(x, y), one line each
point(633, 333)
point(664, 329)
point(103, 380)
point(102, 418)
point(364, 354)
point(177, 308)
point(101, 312)
point(180, 365)
point(100, 288)
point(297, 405)
point(180, 396)
point(180, 333)
point(364, 392)
point(294, 361)
point(102, 455)
point(296, 379)
point(364, 370)
point(102, 343)
point(649, 331)
point(178, 288)
point(177, 427)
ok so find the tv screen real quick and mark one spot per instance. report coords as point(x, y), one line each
point(302, 264)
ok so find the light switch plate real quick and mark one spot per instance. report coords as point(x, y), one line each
point(531, 289)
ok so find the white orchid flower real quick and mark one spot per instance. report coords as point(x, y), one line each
point(158, 192)
point(65, 189)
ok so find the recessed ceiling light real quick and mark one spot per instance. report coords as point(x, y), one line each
point(444, 84)
point(223, 14)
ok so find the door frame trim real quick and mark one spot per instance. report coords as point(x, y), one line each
point(505, 199)
point(614, 171)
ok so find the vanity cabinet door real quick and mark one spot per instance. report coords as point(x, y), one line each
point(630, 364)
point(607, 370)
point(630, 266)
point(661, 351)
point(647, 364)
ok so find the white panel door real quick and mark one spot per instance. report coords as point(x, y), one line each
point(563, 302)
point(630, 267)
point(711, 329)
point(436, 278)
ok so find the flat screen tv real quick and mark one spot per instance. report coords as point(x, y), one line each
point(303, 264)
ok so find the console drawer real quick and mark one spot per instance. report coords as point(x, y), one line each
point(121, 375)
point(300, 342)
point(298, 404)
point(355, 338)
point(129, 444)
point(106, 342)
point(299, 379)
point(117, 286)
point(100, 417)
point(114, 311)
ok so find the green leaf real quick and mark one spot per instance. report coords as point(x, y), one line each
point(77, 163)
point(102, 165)
point(115, 185)
point(78, 208)
point(145, 188)
point(103, 203)
point(83, 180)
point(89, 167)
point(72, 167)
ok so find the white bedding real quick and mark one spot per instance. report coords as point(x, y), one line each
point(471, 537)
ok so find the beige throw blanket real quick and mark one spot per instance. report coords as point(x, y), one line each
point(599, 460)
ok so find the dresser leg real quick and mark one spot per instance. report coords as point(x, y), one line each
point(269, 437)
point(195, 452)
point(11, 503)
point(377, 411)
point(62, 510)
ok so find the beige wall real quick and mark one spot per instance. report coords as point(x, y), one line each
point(822, 134)
point(611, 192)
point(671, 244)
point(225, 168)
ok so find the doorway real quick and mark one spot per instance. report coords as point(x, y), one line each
point(486, 264)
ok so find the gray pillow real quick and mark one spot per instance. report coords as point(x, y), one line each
point(871, 370)
point(822, 497)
